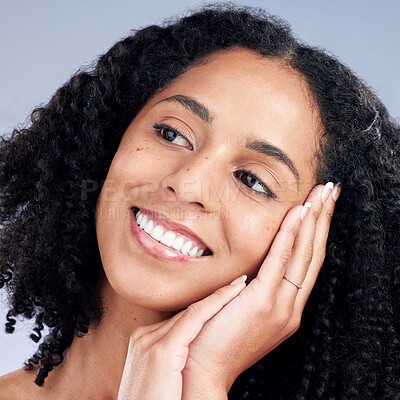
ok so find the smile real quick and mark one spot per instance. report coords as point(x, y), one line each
point(165, 239)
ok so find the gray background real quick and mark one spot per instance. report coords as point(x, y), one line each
point(43, 42)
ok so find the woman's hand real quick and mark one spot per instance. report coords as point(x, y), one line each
point(269, 309)
point(157, 353)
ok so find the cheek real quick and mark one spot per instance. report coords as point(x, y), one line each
point(142, 163)
point(253, 238)
point(134, 174)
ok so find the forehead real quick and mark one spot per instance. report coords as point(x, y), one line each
point(263, 83)
point(252, 95)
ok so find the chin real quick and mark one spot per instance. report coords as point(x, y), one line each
point(151, 293)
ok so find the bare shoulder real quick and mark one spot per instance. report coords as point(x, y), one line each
point(17, 385)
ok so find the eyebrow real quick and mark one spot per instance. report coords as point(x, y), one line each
point(272, 151)
point(259, 146)
point(193, 105)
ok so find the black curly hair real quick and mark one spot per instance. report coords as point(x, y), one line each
point(348, 344)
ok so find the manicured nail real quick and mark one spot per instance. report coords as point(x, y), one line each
point(327, 190)
point(239, 280)
point(304, 210)
point(336, 191)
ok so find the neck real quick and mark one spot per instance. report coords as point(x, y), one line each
point(93, 365)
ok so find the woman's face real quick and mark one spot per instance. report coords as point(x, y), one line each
point(185, 157)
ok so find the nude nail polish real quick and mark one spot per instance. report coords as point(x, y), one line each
point(304, 210)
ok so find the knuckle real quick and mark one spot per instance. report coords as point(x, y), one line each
point(320, 255)
point(295, 324)
point(285, 256)
point(282, 319)
point(308, 253)
point(264, 305)
point(269, 310)
point(329, 216)
point(315, 214)
point(192, 310)
point(220, 293)
point(265, 311)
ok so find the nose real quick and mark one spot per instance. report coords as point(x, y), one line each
point(194, 185)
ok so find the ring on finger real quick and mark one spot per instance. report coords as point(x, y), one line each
point(294, 283)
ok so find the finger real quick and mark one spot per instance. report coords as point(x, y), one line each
point(275, 264)
point(156, 331)
point(303, 247)
point(167, 323)
point(321, 237)
point(188, 326)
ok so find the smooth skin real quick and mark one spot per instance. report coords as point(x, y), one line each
point(177, 327)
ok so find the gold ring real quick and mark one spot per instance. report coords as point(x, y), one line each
point(294, 283)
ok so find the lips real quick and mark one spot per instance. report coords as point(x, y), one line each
point(173, 226)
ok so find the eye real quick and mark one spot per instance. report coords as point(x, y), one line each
point(171, 135)
point(254, 183)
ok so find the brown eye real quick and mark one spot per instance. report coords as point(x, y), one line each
point(251, 181)
point(168, 134)
point(171, 135)
point(248, 179)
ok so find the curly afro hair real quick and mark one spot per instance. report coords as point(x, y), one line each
point(348, 344)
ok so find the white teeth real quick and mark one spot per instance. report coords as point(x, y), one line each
point(178, 243)
point(149, 226)
point(200, 253)
point(186, 247)
point(168, 238)
point(143, 222)
point(193, 252)
point(157, 233)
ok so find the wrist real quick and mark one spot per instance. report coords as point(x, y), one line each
point(197, 386)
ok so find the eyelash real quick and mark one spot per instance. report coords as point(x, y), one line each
point(160, 127)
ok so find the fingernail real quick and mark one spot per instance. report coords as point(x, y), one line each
point(327, 190)
point(336, 191)
point(304, 210)
point(239, 280)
